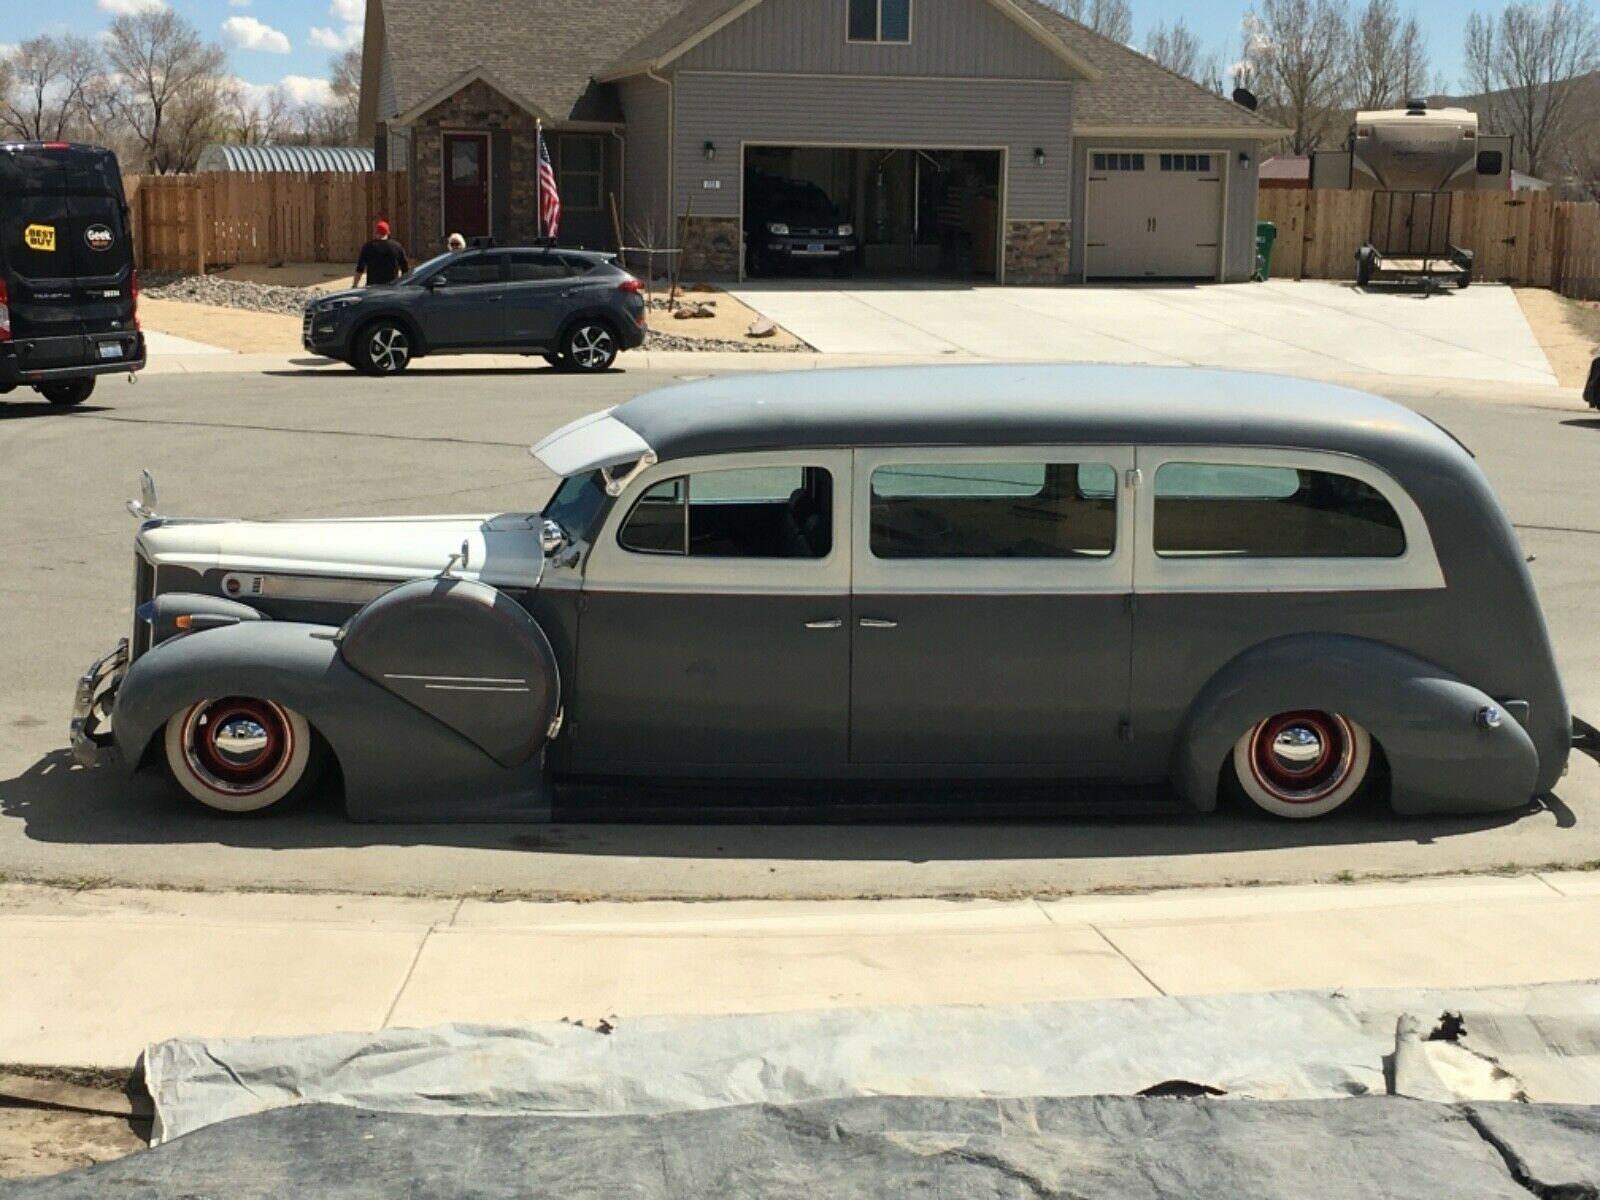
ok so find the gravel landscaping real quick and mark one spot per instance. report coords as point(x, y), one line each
point(229, 293)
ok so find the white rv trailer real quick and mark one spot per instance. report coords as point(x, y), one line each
point(1413, 160)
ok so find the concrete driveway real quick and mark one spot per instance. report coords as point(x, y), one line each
point(1314, 328)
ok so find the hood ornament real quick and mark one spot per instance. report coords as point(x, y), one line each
point(145, 506)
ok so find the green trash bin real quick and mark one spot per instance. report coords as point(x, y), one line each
point(1266, 234)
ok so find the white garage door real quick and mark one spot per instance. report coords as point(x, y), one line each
point(1153, 214)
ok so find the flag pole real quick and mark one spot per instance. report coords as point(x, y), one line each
point(538, 174)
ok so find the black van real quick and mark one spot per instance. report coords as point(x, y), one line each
point(68, 290)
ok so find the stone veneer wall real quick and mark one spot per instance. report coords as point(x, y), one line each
point(710, 247)
point(514, 183)
point(1037, 251)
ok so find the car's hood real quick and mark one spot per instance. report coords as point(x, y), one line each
point(342, 293)
point(502, 550)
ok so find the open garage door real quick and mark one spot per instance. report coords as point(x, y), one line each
point(1153, 214)
point(885, 212)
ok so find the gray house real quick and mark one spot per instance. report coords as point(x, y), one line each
point(970, 138)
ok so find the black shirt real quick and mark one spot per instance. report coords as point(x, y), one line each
point(383, 261)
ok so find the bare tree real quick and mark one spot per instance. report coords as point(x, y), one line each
point(170, 89)
point(1175, 47)
point(1109, 18)
point(257, 115)
point(1388, 59)
point(46, 94)
point(1523, 61)
point(1293, 59)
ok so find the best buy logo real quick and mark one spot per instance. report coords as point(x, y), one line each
point(40, 237)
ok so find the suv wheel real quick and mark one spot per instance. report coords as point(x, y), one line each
point(383, 348)
point(73, 391)
point(7, 387)
point(590, 345)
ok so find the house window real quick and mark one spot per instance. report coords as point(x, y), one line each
point(1200, 163)
point(1118, 162)
point(580, 163)
point(880, 20)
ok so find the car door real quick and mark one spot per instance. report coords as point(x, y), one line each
point(713, 637)
point(464, 308)
point(991, 609)
point(536, 286)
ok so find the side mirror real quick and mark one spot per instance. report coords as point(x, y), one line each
point(552, 538)
point(436, 281)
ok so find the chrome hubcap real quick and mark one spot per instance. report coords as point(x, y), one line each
point(591, 347)
point(389, 349)
point(1301, 757)
point(237, 745)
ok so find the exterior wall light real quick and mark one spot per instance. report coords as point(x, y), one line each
point(1244, 159)
point(1038, 156)
point(711, 151)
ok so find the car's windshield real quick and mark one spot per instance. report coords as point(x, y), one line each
point(577, 504)
point(423, 269)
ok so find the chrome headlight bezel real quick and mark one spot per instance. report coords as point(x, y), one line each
point(777, 229)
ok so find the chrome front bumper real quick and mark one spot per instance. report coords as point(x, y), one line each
point(90, 728)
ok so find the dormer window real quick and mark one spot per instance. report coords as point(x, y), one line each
point(880, 21)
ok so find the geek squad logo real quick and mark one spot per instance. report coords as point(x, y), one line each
point(98, 237)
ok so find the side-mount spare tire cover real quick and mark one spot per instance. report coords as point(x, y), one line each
point(465, 654)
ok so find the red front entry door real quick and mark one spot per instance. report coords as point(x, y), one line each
point(466, 184)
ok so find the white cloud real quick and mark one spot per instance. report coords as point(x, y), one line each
point(333, 39)
point(250, 34)
point(351, 12)
point(303, 89)
point(7, 49)
point(128, 8)
point(238, 3)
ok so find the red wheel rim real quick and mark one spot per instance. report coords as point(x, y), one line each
point(237, 745)
point(1301, 757)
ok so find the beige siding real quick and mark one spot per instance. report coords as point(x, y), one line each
point(1239, 197)
point(731, 110)
point(966, 38)
point(646, 106)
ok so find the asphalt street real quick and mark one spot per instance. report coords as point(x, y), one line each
point(316, 443)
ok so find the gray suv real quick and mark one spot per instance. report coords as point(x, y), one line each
point(576, 308)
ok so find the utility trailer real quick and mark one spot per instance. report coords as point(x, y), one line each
point(1413, 160)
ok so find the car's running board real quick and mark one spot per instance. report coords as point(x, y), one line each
point(1585, 738)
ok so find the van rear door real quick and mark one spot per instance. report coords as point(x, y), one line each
point(102, 251)
point(36, 255)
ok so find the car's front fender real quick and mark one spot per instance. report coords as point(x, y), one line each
point(398, 763)
point(1441, 757)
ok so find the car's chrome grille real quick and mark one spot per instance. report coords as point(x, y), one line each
point(144, 588)
point(305, 326)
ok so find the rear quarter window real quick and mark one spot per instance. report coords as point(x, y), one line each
point(1227, 510)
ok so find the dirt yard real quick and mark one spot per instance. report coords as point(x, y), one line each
point(1568, 331)
point(228, 328)
point(53, 1121)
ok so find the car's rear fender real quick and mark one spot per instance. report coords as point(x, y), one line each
point(398, 763)
point(1441, 756)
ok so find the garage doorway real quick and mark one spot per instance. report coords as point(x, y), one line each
point(1153, 214)
point(912, 212)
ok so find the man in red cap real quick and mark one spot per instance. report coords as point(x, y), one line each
point(382, 259)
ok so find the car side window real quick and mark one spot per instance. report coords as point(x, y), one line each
point(535, 268)
point(993, 510)
point(484, 268)
point(1213, 510)
point(742, 512)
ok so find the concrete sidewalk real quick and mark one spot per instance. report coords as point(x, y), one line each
point(92, 976)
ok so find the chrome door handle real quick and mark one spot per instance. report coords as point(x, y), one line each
point(877, 623)
point(830, 623)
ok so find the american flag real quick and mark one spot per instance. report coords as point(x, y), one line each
point(549, 197)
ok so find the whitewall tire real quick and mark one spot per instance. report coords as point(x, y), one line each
point(238, 754)
point(1302, 764)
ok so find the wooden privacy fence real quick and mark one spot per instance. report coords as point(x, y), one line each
point(190, 222)
point(1527, 238)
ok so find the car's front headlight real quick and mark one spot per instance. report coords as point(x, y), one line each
point(779, 228)
point(846, 230)
point(338, 302)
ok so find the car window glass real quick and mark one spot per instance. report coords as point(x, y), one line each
point(1247, 511)
point(531, 268)
point(483, 269)
point(993, 510)
point(744, 512)
point(576, 503)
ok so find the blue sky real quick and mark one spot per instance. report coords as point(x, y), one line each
point(272, 41)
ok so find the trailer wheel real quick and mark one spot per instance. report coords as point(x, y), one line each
point(1366, 264)
point(1464, 280)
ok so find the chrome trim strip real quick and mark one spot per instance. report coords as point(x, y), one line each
point(315, 587)
point(468, 687)
point(454, 678)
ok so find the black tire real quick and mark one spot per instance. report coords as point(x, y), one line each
point(68, 392)
point(843, 269)
point(7, 387)
point(556, 361)
point(383, 347)
point(1464, 280)
point(1366, 264)
point(590, 345)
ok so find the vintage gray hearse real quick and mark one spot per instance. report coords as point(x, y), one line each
point(1077, 573)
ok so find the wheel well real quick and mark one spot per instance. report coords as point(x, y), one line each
point(1376, 785)
point(413, 330)
point(154, 754)
point(599, 318)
